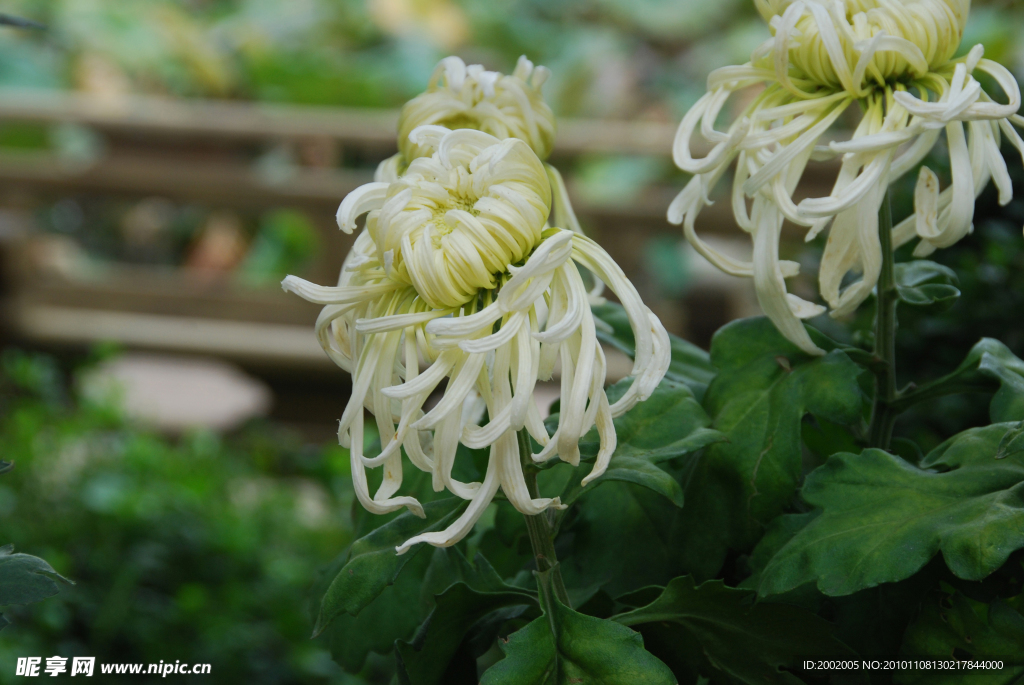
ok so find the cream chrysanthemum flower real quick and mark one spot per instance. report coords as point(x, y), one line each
point(460, 96)
point(505, 106)
point(457, 277)
point(894, 58)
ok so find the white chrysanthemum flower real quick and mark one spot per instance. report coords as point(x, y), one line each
point(895, 60)
point(505, 106)
point(457, 277)
point(461, 96)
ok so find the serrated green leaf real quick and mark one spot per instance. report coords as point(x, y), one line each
point(427, 657)
point(953, 626)
point(883, 518)
point(373, 564)
point(720, 632)
point(690, 364)
point(669, 424)
point(25, 579)
point(990, 367)
point(921, 283)
point(764, 388)
point(529, 658)
point(587, 650)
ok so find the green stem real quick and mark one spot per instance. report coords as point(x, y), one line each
point(883, 414)
point(539, 529)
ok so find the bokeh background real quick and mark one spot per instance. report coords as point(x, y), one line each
point(164, 163)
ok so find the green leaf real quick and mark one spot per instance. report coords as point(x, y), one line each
point(779, 533)
point(605, 522)
point(883, 518)
point(719, 631)
point(372, 563)
point(587, 650)
point(669, 424)
point(628, 470)
point(764, 388)
point(690, 364)
point(25, 579)
point(953, 626)
point(921, 283)
point(529, 658)
point(393, 615)
point(425, 659)
point(1012, 443)
point(990, 367)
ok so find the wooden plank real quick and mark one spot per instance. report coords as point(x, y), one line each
point(233, 184)
point(244, 121)
point(221, 184)
point(249, 341)
point(170, 292)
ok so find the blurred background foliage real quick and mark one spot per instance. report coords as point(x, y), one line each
point(609, 58)
point(199, 547)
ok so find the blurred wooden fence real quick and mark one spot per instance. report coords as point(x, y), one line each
point(208, 152)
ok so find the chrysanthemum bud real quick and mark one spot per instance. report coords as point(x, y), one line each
point(460, 96)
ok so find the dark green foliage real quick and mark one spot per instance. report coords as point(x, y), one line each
point(657, 440)
point(951, 626)
point(883, 518)
point(373, 564)
point(720, 633)
point(669, 424)
point(461, 611)
point(921, 283)
point(764, 389)
point(565, 647)
point(990, 368)
point(199, 549)
point(25, 579)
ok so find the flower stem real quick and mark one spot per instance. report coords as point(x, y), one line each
point(539, 529)
point(883, 415)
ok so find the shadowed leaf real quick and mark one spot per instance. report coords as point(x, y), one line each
point(764, 388)
point(720, 632)
point(587, 650)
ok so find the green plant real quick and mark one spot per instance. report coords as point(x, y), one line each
point(198, 548)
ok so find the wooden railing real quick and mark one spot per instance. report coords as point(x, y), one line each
point(209, 152)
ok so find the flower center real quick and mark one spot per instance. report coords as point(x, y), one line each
point(826, 45)
point(458, 219)
point(438, 215)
